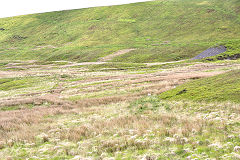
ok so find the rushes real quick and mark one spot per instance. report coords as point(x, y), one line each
point(119, 131)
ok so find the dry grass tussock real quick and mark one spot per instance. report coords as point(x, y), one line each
point(162, 124)
point(116, 127)
point(25, 124)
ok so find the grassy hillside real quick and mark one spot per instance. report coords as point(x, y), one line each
point(224, 87)
point(233, 51)
point(161, 30)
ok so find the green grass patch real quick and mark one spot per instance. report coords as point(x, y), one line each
point(7, 84)
point(224, 87)
point(116, 66)
point(3, 64)
point(233, 51)
point(12, 108)
point(148, 103)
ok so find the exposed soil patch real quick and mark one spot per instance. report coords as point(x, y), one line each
point(118, 53)
point(82, 64)
point(42, 47)
point(12, 48)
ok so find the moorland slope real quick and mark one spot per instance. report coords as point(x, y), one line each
point(159, 30)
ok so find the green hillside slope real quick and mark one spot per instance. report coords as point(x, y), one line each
point(161, 30)
point(224, 87)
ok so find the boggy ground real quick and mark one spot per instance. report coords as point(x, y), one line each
point(65, 110)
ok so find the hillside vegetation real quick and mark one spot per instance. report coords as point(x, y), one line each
point(160, 30)
point(224, 87)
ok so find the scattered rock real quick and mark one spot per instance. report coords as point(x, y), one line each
point(233, 57)
point(18, 37)
point(229, 57)
point(210, 10)
point(181, 92)
point(211, 52)
point(2, 29)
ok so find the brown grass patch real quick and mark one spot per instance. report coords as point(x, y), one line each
point(25, 124)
